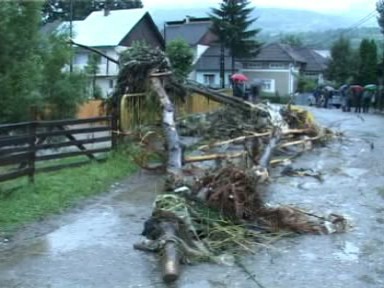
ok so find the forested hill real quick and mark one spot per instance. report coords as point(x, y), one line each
point(315, 29)
point(273, 20)
point(324, 39)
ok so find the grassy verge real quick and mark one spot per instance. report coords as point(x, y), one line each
point(54, 192)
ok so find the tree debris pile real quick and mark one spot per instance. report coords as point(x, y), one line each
point(207, 213)
point(232, 122)
point(223, 213)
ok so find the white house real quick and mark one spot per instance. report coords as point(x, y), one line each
point(111, 32)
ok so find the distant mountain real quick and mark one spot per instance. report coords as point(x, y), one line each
point(324, 39)
point(273, 20)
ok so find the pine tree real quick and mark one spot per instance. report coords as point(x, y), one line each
point(341, 67)
point(368, 62)
point(231, 24)
point(380, 20)
point(380, 10)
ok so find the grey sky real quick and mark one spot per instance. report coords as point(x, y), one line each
point(329, 6)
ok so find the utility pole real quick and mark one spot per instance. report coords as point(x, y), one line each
point(71, 33)
point(222, 65)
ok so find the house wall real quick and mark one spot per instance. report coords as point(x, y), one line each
point(280, 76)
point(106, 85)
point(144, 30)
point(201, 77)
point(199, 51)
point(106, 67)
point(108, 70)
point(280, 80)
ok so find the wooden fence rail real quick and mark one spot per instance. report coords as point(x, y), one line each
point(24, 145)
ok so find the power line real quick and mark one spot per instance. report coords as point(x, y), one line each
point(361, 22)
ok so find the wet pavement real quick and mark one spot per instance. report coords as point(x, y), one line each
point(91, 246)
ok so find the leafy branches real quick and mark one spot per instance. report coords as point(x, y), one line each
point(31, 67)
point(181, 57)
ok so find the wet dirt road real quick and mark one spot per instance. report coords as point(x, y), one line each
point(92, 246)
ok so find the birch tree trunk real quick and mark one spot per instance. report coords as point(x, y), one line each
point(174, 164)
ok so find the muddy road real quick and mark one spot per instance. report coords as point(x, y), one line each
point(91, 246)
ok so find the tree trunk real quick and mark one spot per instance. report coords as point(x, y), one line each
point(265, 158)
point(222, 66)
point(225, 99)
point(172, 137)
point(233, 60)
point(93, 85)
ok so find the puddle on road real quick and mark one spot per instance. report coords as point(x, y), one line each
point(350, 253)
point(91, 229)
point(141, 192)
point(380, 192)
point(354, 173)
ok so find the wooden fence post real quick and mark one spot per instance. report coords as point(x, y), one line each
point(32, 150)
point(114, 122)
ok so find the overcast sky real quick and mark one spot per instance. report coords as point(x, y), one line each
point(331, 6)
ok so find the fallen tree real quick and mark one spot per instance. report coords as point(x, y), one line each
point(209, 214)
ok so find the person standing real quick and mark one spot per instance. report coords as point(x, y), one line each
point(344, 91)
point(358, 97)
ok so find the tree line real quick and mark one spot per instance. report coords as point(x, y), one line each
point(361, 66)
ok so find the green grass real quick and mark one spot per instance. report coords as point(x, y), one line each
point(55, 192)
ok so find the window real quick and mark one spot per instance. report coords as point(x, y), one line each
point(253, 65)
point(276, 65)
point(209, 79)
point(111, 84)
point(269, 85)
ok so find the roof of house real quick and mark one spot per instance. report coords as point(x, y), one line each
point(314, 61)
point(277, 52)
point(324, 53)
point(191, 31)
point(50, 27)
point(100, 30)
point(210, 60)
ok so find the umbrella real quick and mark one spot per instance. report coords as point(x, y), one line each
point(370, 87)
point(239, 77)
point(329, 88)
point(357, 88)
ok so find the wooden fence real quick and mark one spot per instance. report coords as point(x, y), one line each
point(23, 146)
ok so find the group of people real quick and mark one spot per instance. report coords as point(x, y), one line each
point(362, 98)
point(246, 92)
point(359, 97)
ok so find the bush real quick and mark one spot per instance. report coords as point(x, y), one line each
point(306, 84)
